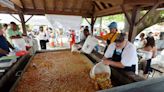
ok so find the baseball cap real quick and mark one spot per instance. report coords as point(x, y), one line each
point(112, 25)
point(120, 37)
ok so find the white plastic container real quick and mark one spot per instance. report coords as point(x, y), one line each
point(100, 68)
point(89, 44)
point(19, 43)
point(6, 64)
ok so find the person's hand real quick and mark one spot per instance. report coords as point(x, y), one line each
point(18, 36)
point(12, 48)
point(106, 62)
point(24, 34)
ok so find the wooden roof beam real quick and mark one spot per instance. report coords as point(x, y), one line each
point(45, 6)
point(99, 4)
point(117, 9)
point(106, 5)
point(82, 5)
point(108, 11)
point(107, 1)
point(22, 3)
point(136, 2)
point(6, 11)
point(15, 18)
point(66, 6)
point(103, 5)
point(3, 9)
point(132, 2)
point(88, 21)
point(54, 4)
point(33, 3)
point(16, 7)
point(74, 4)
point(28, 18)
point(42, 12)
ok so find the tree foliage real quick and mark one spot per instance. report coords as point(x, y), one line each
point(154, 18)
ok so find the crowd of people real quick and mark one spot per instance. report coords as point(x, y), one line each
point(148, 51)
point(4, 44)
point(119, 52)
point(48, 37)
point(10, 37)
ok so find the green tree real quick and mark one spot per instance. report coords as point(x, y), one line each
point(154, 18)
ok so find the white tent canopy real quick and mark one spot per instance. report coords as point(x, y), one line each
point(64, 21)
point(35, 20)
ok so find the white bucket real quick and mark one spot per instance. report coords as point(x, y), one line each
point(99, 68)
point(89, 44)
point(19, 43)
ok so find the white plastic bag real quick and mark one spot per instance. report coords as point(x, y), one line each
point(159, 59)
point(89, 44)
point(19, 43)
point(100, 68)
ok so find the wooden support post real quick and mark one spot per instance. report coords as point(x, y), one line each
point(93, 20)
point(21, 15)
point(132, 29)
point(131, 21)
point(92, 24)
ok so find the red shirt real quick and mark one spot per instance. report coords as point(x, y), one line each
point(73, 36)
point(101, 33)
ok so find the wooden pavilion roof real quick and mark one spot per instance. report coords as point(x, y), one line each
point(85, 8)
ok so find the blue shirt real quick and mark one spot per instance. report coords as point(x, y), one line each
point(3, 45)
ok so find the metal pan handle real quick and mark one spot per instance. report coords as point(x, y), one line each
point(18, 74)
